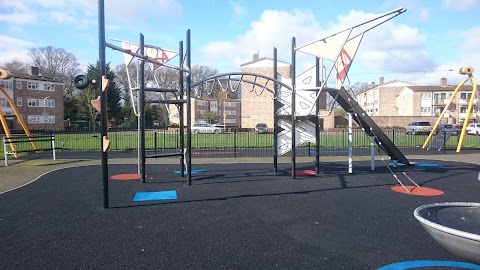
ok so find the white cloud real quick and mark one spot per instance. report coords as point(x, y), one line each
point(462, 5)
point(268, 32)
point(16, 12)
point(14, 48)
point(390, 47)
point(10, 42)
point(470, 37)
point(63, 17)
point(469, 52)
point(395, 48)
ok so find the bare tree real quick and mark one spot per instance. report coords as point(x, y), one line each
point(164, 76)
point(56, 63)
point(121, 79)
point(353, 90)
point(357, 88)
point(16, 66)
point(200, 72)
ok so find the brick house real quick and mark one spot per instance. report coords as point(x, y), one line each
point(227, 111)
point(257, 107)
point(38, 99)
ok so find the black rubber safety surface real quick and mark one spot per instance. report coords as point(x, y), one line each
point(233, 216)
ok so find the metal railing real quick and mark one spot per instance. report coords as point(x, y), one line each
point(247, 144)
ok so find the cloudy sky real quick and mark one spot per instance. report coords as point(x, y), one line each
point(433, 39)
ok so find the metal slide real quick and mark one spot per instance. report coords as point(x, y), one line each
point(351, 106)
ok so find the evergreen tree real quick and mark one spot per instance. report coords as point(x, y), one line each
point(113, 94)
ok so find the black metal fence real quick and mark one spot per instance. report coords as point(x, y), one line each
point(249, 144)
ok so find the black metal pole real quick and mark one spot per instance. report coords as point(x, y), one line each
point(444, 142)
point(275, 109)
point(317, 119)
point(103, 98)
point(155, 137)
point(141, 96)
point(235, 143)
point(189, 111)
point(181, 111)
point(292, 75)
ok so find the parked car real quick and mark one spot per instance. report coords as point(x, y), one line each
point(219, 125)
point(473, 128)
point(261, 128)
point(417, 127)
point(447, 128)
point(206, 128)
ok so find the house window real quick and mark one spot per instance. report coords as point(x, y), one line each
point(19, 102)
point(463, 109)
point(34, 119)
point(4, 102)
point(426, 109)
point(41, 119)
point(438, 109)
point(426, 95)
point(19, 84)
point(465, 95)
point(49, 87)
point(440, 96)
point(230, 104)
point(6, 85)
point(32, 85)
point(50, 103)
point(50, 119)
point(230, 112)
point(33, 102)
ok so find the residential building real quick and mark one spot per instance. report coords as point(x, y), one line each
point(227, 111)
point(380, 100)
point(39, 101)
point(257, 103)
point(396, 103)
point(429, 101)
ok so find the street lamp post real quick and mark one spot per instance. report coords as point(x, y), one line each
point(45, 113)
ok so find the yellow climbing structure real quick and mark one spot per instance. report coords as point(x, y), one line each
point(4, 74)
point(464, 71)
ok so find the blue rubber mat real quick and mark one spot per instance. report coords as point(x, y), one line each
point(419, 264)
point(155, 196)
point(193, 171)
point(416, 165)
